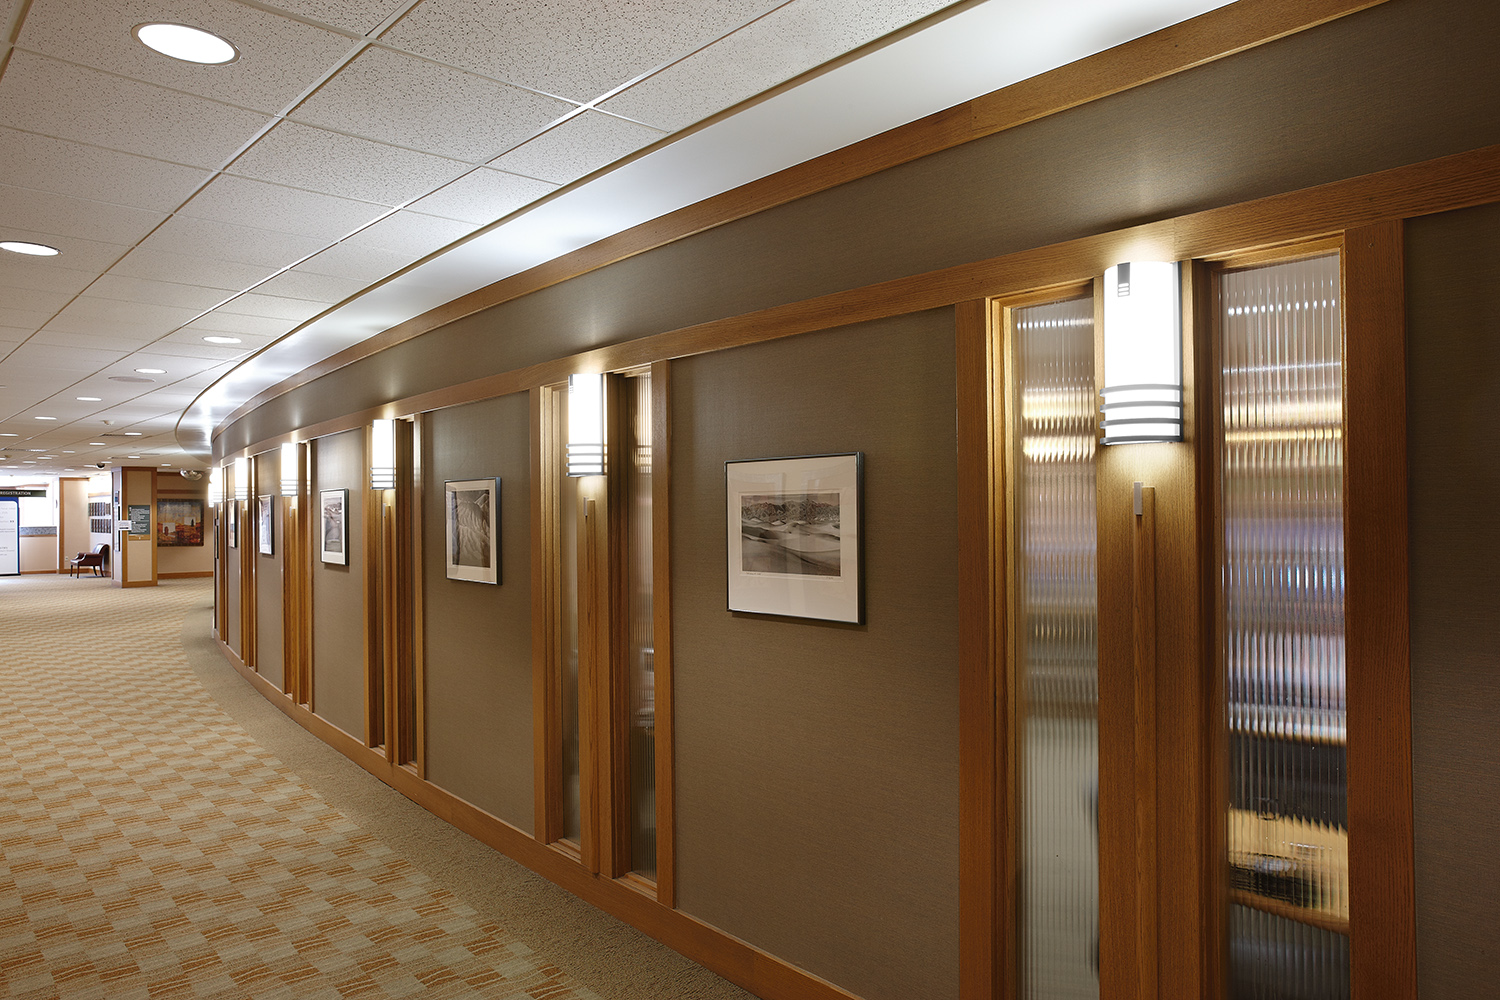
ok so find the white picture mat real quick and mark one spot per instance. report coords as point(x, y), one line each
point(457, 571)
point(832, 598)
point(265, 512)
point(339, 499)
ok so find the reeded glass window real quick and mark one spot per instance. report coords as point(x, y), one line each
point(1057, 649)
point(640, 649)
point(1283, 629)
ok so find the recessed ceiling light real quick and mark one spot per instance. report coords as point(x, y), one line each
point(151, 371)
point(132, 456)
point(30, 249)
point(89, 399)
point(132, 434)
point(192, 45)
point(222, 340)
point(130, 378)
point(46, 418)
point(8, 434)
point(97, 444)
point(67, 452)
point(166, 465)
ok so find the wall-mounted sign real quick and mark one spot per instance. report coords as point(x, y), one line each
point(140, 519)
point(27, 494)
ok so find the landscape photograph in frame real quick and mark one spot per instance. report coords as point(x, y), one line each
point(266, 524)
point(179, 522)
point(793, 534)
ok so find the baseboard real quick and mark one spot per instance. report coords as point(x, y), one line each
point(35, 572)
point(185, 576)
point(738, 961)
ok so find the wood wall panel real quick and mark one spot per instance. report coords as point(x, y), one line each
point(269, 652)
point(478, 650)
point(817, 763)
point(338, 591)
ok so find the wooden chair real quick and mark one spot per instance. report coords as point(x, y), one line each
point(95, 560)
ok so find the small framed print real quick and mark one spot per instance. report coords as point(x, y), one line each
point(265, 523)
point(794, 534)
point(333, 508)
point(233, 519)
point(472, 529)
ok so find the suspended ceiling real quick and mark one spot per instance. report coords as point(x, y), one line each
point(272, 200)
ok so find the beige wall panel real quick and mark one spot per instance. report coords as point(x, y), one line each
point(817, 763)
point(140, 489)
point(1392, 85)
point(1453, 268)
point(73, 518)
point(338, 599)
point(270, 658)
point(478, 656)
point(39, 553)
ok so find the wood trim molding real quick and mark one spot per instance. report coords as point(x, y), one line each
point(736, 960)
point(1201, 40)
point(661, 624)
point(1382, 890)
point(1462, 180)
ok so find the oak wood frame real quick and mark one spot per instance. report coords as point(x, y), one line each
point(1194, 965)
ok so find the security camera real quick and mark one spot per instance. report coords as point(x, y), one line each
point(100, 465)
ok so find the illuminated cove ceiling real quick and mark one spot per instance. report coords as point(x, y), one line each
point(223, 227)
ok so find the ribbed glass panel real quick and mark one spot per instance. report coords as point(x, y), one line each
point(567, 577)
point(1057, 619)
point(1283, 586)
point(640, 649)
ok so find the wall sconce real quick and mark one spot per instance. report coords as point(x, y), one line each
point(242, 479)
point(291, 474)
point(586, 425)
point(215, 486)
point(1142, 353)
point(383, 456)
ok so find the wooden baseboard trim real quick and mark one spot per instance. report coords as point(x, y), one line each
point(724, 954)
point(138, 583)
point(197, 574)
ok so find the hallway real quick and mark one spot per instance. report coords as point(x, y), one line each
point(165, 832)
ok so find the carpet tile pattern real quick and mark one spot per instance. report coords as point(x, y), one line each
point(149, 848)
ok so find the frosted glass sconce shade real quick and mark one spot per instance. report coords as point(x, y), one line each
point(215, 486)
point(242, 479)
point(383, 456)
point(291, 475)
point(1142, 353)
point(586, 425)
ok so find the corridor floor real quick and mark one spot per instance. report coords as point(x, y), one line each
point(151, 847)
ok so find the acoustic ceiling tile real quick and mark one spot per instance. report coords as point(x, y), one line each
point(577, 147)
point(272, 307)
point(411, 232)
point(112, 341)
point(279, 57)
point(160, 265)
point(38, 94)
point(159, 293)
point(70, 359)
point(405, 101)
point(324, 289)
point(76, 254)
point(32, 299)
point(233, 323)
point(344, 165)
point(173, 349)
point(208, 238)
point(282, 209)
point(57, 214)
point(176, 367)
point(24, 319)
point(484, 196)
point(578, 49)
point(81, 171)
point(356, 263)
point(360, 16)
point(104, 312)
point(771, 50)
point(138, 333)
point(17, 271)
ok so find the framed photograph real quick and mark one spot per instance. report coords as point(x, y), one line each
point(472, 529)
point(334, 513)
point(266, 524)
point(795, 533)
point(232, 518)
point(179, 522)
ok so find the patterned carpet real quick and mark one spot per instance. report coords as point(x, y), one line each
point(149, 848)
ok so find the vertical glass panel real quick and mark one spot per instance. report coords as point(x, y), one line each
point(567, 584)
point(1283, 589)
point(1057, 655)
point(639, 640)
